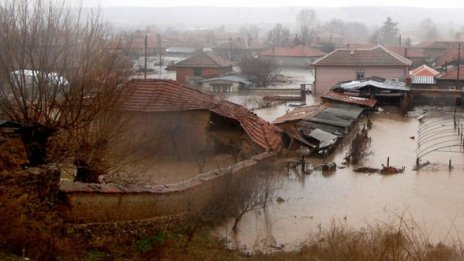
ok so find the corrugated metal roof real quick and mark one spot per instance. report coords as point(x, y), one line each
point(321, 135)
point(423, 80)
point(336, 96)
point(337, 116)
point(168, 95)
point(387, 85)
point(377, 56)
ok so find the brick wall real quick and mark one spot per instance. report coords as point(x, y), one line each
point(328, 77)
point(183, 73)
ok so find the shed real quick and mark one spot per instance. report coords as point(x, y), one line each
point(231, 83)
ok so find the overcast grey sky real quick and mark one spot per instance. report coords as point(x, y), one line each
point(269, 3)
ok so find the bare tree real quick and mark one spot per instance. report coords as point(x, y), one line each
point(251, 32)
point(260, 70)
point(59, 72)
point(279, 36)
point(307, 21)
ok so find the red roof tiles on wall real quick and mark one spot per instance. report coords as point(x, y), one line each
point(168, 95)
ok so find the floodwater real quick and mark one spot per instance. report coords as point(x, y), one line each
point(432, 197)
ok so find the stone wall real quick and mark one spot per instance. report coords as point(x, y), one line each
point(110, 202)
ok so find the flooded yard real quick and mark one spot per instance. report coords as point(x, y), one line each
point(429, 200)
point(431, 197)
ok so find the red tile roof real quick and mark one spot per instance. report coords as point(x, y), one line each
point(297, 51)
point(437, 44)
point(336, 96)
point(377, 56)
point(423, 70)
point(449, 56)
point(205, 59)
point(408, 52)
point(452, 74)
point(168, 95)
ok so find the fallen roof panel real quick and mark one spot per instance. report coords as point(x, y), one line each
point(336, 96)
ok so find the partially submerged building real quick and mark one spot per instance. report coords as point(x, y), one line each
point(357, 64)
point(202, 65)
point(385, 91)
point(319, 127)
point(180, 123)
point(180, 130)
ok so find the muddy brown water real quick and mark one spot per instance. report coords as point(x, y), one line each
point(431, 198)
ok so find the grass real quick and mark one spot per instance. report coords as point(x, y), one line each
point(338, 243)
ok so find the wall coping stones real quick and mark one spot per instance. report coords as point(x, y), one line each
point(70, 187)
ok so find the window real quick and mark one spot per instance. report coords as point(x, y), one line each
point(452, 87)
point(359, 74)
point(196, 71)
point(221, 87)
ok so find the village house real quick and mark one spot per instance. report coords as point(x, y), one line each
point(452, 79)
point(201, 65)
point(173, 126)
point(417, 56)
point(430, 87)
point(423, 77)
point(357, 64)
point(298, 56)
point(434, 49)
point(449, 58)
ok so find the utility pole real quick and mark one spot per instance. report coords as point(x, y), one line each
point(145, 66)
point(159, 52)
point(459, 65)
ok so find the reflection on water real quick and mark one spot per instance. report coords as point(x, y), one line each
point(433, 196)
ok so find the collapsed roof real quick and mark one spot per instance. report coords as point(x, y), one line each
point(170, 96)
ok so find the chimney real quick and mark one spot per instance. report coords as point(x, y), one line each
point(406, 52)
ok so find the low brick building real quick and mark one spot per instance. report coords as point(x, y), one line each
point(202, 65)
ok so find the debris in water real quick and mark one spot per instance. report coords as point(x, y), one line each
point(388, 170)
point(366, 170)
